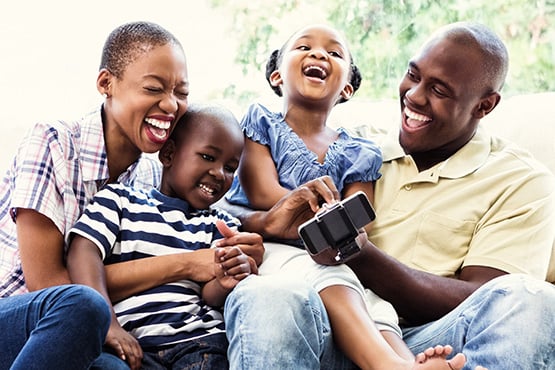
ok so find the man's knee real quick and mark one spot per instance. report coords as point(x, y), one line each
point(519, 290)
point(264, 312)
point(521, 285)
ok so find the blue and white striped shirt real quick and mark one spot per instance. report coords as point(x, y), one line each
point(128, 224)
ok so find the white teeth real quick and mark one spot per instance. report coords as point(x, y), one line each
point(206, 189)
point(416, 116)
point(164, 125)
point(314, 67)
point(323, 73)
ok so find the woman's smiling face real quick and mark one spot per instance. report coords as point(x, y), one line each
point(151, 95)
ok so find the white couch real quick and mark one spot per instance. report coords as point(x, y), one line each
point(528, 120)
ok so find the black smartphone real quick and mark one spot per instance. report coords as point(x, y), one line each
point(336, 226)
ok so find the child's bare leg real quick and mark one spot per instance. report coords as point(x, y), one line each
point(356, 334)
point(398, 345)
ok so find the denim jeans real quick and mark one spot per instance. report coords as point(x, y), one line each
point(109, 361)
point(278, 323)
point(59, 328)
point(199, 354)
point(509, 323)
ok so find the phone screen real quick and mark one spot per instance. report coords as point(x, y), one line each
point(338, 225)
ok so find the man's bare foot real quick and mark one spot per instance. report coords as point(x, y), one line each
point(435, 358)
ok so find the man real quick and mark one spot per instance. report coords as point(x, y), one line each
point(457, 208)
point(464, 229)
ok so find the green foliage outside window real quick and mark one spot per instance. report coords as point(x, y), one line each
point(384, 34)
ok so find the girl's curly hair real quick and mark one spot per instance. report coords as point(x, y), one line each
point(275, 60)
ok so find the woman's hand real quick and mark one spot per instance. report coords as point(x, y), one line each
point(236, 256)
point(124, 344)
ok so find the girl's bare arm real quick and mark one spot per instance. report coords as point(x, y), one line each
point(258, 175)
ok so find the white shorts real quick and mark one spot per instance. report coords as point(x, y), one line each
point(296, 263)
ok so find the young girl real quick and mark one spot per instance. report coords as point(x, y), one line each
point(314, 71)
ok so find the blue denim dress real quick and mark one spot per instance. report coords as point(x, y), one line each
point(349, 159)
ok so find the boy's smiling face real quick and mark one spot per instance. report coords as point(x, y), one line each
point(201, 163)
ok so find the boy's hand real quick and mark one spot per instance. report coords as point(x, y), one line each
point(231, 266)
point(249, 243)
point(125, 345)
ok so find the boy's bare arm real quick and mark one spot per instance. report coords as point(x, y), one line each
point(86, 267)
point(127, 278)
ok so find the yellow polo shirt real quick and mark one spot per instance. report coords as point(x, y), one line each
point(490, 204)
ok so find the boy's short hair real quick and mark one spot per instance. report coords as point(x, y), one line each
point(199, 110)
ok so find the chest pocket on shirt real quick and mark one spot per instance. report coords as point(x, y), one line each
point(442, 244)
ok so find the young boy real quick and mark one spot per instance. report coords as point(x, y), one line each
point(178, 322)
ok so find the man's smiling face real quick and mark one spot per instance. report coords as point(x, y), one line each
point(440, 94)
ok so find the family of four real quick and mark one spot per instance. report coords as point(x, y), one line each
point(113, 259)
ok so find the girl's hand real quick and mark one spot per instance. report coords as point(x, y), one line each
point(231, 266)
point(248, 243)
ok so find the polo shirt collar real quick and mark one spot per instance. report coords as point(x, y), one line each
point(464, 162)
